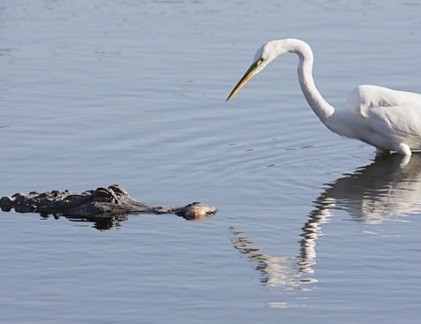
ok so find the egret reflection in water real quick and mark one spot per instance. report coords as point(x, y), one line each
point(386, 189)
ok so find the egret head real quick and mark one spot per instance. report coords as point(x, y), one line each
point(264, 55)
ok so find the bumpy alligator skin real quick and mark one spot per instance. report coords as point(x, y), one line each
point(102, 205)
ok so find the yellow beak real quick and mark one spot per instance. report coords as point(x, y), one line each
point(250, 73)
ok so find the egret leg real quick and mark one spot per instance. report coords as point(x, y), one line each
point(403, 149)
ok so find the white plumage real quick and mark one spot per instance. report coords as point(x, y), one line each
point(390, 120)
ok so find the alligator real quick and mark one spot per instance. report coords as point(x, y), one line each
point(106, 207)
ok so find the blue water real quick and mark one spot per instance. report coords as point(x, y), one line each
point(310, 228)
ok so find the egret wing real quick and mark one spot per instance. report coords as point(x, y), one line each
point(395, 115)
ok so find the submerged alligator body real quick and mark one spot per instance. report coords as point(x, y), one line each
point(106, 207)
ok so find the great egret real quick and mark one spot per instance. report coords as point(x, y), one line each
point(389, 120)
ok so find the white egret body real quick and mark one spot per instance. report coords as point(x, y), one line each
point(389, 120)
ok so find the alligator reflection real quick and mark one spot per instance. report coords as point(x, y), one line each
point(99, 222)
point(386, 189)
